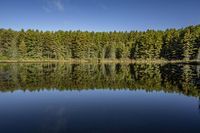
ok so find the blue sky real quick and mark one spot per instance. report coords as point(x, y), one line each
point(98, 15)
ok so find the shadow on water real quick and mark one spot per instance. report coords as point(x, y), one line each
point(177, 78)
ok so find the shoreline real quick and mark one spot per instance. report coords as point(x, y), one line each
point(103, 61)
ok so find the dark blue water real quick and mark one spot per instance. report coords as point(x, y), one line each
point(98, 111)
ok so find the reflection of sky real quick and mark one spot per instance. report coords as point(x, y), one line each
point(83, 110)
point(98, 15)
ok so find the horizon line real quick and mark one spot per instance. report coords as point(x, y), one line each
point(75, 30)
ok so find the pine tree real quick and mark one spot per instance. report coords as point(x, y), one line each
point(22, 49)
point(171, 44)
point(188, 44)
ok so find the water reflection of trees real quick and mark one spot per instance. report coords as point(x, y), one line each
point(170, 78)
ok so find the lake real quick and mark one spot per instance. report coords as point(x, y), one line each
point(96, 98)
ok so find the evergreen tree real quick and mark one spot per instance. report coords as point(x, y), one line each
point(22, 49)
point(170, 44)
point(188, 44)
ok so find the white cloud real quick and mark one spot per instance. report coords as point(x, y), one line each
point(53, 5)
point(58, 4)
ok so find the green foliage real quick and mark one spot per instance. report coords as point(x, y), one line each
point(22, 49)
point(170, 44)
point(187, 42)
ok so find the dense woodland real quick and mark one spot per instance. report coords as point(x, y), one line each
point(171, 44)
point(177, 78)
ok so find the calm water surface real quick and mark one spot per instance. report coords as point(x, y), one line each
point(76, 98)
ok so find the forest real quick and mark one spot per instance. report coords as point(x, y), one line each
point(169, 44)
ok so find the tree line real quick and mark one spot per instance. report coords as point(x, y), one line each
point(170, 44)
